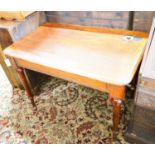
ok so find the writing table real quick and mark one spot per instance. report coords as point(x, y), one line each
point(100, 58)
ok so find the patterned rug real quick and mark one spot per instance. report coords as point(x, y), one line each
point(66, 113)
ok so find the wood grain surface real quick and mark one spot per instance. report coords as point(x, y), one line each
point(106, 57)
point(103, 61)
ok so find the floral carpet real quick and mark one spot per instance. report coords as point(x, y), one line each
point(66, 113)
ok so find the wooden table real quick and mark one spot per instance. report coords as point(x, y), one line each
point(100, 58)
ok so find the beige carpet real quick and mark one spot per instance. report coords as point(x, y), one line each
point(66, 113)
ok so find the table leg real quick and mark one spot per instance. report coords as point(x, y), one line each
point(117, 103)
point(22, 76)
point(116, 113)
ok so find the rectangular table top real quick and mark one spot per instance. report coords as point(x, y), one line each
point(110, 58)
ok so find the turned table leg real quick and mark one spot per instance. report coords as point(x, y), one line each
point(116, 112)
point(21, 74)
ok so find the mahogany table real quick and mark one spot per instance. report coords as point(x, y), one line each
point(100, 58)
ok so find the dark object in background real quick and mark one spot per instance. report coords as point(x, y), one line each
point(142, 126)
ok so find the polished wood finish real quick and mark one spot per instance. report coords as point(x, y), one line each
point(116, 113)
point(82, 53)
point(22, 76)
point(100, 60)
point(114, 90)
point(97, 29)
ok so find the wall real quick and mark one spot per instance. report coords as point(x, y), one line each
point(142, 20)
point(113, 19)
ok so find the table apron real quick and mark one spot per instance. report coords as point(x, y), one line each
point(117, 92)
